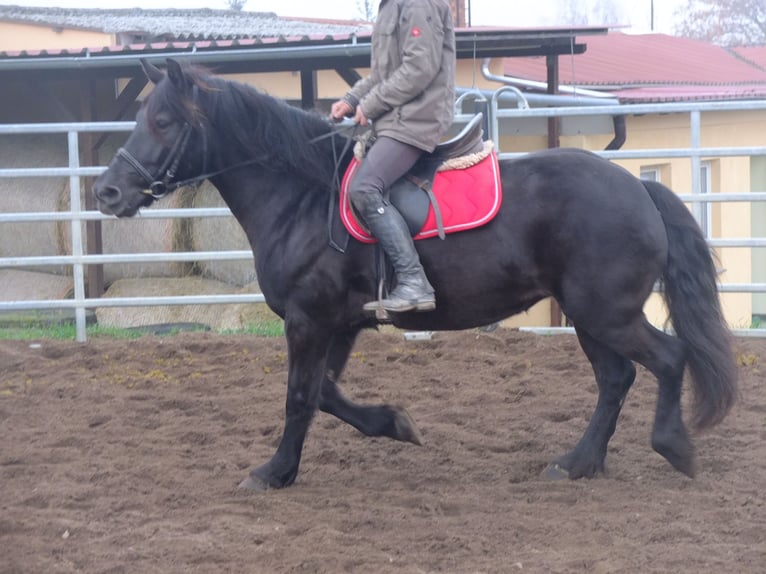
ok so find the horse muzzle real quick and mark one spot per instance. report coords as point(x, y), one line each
point(112, 201)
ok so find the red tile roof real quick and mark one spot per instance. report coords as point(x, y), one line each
point(657, 68)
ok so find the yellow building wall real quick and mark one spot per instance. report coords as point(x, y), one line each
point(728, 175)
point(287, 85)
point(14, 36)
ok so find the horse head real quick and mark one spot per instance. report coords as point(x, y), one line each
point(166, 148)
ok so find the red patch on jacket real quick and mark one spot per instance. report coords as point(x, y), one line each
point(467, 198)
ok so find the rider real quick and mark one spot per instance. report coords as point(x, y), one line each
point(410, 96)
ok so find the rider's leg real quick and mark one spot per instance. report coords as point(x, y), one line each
point(386, 161)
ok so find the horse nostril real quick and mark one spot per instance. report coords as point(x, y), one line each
point(108, 194)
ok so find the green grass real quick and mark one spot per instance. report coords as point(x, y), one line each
point(275, 328)
point(64, 331)
point(272, 328)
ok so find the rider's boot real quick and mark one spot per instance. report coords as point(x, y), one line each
point(413, 292)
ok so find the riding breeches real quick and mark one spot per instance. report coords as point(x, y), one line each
point(386, 161)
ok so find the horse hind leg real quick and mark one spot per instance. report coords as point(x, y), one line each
point(371, 420)
point(614, 375)
point(669, 435)
point(664, 356)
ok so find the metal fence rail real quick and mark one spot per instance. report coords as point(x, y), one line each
point(76, 215)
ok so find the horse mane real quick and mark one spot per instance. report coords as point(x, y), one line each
point(273, 133)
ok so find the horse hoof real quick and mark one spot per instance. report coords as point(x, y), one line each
point(555, 471)
point(251, 483)
point(406, 429)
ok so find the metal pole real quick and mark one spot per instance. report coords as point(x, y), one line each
point(699, 209)
point(77, 250)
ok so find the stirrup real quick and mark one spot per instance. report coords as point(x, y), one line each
point(426, 302)
point(377, 306)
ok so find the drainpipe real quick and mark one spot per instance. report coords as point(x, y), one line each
point(620, 133)
point(542, 86)
point(577, 96)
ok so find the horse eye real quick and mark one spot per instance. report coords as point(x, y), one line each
point(162, 123)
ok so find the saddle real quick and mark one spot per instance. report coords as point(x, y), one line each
point(454, 188)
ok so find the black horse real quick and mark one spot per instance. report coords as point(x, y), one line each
point(572, 226)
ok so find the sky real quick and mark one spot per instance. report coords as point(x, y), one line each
point(525, 13)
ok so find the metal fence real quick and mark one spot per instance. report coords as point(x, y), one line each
point(75, 172)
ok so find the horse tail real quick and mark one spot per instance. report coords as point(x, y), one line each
point(689, 287)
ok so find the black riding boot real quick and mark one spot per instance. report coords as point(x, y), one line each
point(413, 292)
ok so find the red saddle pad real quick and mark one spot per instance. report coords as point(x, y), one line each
point(467, 198)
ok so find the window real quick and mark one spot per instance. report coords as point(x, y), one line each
point(659, 172)
point(650, 174)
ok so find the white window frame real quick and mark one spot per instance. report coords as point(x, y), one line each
point(650, 173)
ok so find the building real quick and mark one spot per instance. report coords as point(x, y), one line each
point(66, 65)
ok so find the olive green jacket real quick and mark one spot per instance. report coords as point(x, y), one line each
point(410, 92)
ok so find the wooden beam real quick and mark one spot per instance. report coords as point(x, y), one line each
point(126, 99)
point(89, 157)
point(554, 141)
point(349, 75)
point(118, 108)
point(308, 89)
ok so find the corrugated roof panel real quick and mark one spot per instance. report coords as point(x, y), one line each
point(204, 23)
point(666, 94)
point(754, 55)
point(634, 60)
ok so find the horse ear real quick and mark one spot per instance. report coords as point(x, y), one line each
point(176, 74)
point(152, 72)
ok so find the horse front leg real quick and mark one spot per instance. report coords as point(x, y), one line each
point(307, 351)
point(373, 420)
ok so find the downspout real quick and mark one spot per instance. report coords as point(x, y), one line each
point(584, 96)
point(620, 133)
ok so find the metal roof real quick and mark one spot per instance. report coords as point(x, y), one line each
point(179, 24)
point(753, 55)
point(656, 68)
point(261, 42)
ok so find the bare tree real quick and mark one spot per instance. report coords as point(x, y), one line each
point(575, 13)
point(236, 4)
point(590, 12)
point(367, 10)
point(724, 22)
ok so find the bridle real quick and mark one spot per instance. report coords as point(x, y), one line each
point(162, 183)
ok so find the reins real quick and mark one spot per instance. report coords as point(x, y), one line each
point(335, 187)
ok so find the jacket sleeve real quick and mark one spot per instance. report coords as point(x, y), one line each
point(360, 89)
point(422, 46)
